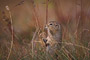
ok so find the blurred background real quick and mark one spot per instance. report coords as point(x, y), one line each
point(73, 15)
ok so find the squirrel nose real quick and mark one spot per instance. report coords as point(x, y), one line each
point(46, 27)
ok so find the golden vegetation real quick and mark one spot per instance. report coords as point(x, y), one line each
point(28, 19)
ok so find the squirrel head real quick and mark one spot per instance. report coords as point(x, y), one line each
point(53, 26)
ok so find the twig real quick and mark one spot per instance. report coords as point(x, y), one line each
point(70, 44)
point(46, 18)
point(69, 54)
point(35, 13)
point(76, 45)
point(12, 31)
point(37, 27)
point(46, 11)
point(34, 36)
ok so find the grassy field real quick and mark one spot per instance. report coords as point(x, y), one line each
point(21, 23)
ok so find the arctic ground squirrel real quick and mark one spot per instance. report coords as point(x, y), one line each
point(54, 37)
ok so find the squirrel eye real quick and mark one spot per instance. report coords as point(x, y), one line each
point(50, 24)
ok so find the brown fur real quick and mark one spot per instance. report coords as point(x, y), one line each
point(54, 37)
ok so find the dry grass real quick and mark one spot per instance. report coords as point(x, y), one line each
point(74, 17)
